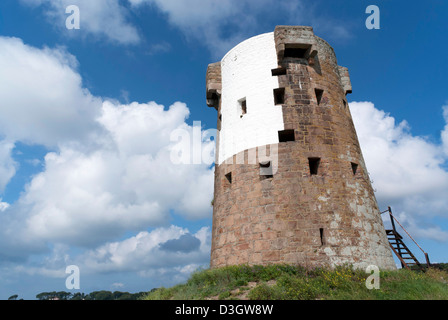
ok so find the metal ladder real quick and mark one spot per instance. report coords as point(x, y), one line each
point(406, 257)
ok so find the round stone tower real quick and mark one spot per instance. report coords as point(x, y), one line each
point(291, 185)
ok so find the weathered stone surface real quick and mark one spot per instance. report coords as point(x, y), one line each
point(293, 215)
point(213, 84)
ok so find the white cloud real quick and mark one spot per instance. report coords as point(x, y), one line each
point(407, 171)
point(3, 205)
point(144, 252)
point(100, 18)
point(7, 166)
point(220, 25)
point(444, 134)
point(42, 98)
point(420, 229)
point(110, 170)
point(128, 183)
point(34, 162)
point(159, 48)
point(117, 285)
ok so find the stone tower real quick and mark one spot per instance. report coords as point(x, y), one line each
point(291, 185)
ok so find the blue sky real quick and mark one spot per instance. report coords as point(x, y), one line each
point(86, 117)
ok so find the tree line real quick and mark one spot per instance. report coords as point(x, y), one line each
point(95, 295)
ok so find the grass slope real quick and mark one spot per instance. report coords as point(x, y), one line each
point(285, 282)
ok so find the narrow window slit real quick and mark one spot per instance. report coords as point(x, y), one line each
point(319, 94)
point(322, 238)
point(279, 96)
point(354, 168)
point(242, 107)
point(219, 122)
point(314, 165)
point(229, 177)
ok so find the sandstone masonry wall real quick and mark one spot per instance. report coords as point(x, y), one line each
point(317, 205)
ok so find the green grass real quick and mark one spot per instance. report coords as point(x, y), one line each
point(285, 282)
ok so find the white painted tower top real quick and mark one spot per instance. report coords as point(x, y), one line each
point(249, 116)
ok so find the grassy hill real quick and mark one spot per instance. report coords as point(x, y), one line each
point(285, 282)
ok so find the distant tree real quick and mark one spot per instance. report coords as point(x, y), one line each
point(117, 295)
point(139, 295)
point(125, 296)
point(43, 296)
point(101, 295)
point(95, 295)
point(13, 297)
point(54, 295)
point(63, 295)
point(79, 296)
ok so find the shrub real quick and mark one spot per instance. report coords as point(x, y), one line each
point(263, 292)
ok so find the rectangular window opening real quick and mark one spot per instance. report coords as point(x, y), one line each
point(279, 71)
point(314, 165)
point(295, 53)
point(319, 94)
point(229, 177)
point(322, 238)
point(266, 170)
point(279, 96)
point(354, 168)
point(345, 103)
point(286, 135)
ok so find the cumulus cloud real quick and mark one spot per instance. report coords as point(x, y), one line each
point(128, 183)
point(219, 25)
point(167, 255)
point(186, 243)
point(100, 18)
point(147, 251)
point(109, 170)
point(222, 24)
point(408, 172)
point(42, 97)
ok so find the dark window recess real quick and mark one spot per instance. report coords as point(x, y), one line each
point(314, 165)
point(243, 107)
point(279, 71)
point(266, 170)
point(345, 103)
point(319, 94)
point(354, 168)
point(229, 177)
point(279, 96)
point(286, 135)
point(295, 53)
point(214, 97)
point(322, 238)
